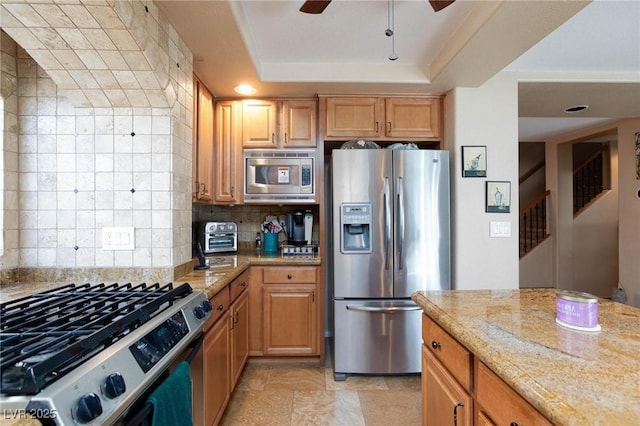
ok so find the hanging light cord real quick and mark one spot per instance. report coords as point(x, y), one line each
point(390, 28)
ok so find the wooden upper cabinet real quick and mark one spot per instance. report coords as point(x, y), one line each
point(259, 123)
point(299, 123)
point(203, 141)
point(227, 155)
point(383, 118)
point(354, 117)
point(279, 123)
point(412, 117)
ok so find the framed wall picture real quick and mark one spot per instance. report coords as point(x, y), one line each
point(474, 161)
point(498, 196)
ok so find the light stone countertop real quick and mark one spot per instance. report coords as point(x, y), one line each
point(571, 377)
point(216, 278)
point(224, 268)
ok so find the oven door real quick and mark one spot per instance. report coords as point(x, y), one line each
point(141, 409)
point(220, 243)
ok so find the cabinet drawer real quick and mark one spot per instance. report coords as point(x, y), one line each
point(455, 357)
point(293, 275)
point(220, 303)
point(239, 285)
point(501, 403)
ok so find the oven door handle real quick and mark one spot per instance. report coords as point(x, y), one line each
point(196, 344)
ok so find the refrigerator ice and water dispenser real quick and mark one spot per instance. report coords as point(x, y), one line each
point(356, 228)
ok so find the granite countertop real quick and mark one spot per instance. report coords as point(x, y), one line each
point(223, 269)
point(571, 377)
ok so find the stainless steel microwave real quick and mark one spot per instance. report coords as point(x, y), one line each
point(279, 176)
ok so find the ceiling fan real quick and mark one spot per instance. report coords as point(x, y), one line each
point(318, 6)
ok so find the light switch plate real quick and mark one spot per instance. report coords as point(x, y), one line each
point(118, 238)
point(500, 229)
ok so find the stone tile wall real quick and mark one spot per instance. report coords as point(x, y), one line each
point(102, 112)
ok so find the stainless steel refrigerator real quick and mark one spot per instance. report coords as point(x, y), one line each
point(390, 219)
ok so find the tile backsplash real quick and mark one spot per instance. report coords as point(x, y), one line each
point(250, 218)
point(97, 128)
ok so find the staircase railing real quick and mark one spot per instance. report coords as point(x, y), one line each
point(588, 181)
point(533, 223)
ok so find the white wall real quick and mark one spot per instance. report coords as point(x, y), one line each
point(535, 267)
point(578, 257)
point(487, 115)
point(629, 209)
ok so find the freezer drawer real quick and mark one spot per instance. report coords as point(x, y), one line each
point(376, 337)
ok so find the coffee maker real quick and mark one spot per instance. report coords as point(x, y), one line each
point(299, 227)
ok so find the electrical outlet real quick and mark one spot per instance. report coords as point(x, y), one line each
point(121, 238)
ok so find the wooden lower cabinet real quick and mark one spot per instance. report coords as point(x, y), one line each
point(289, 319)
point(216, 369)
point(285, 311)
point(239, 319)
point(444, 400)
point(500, 404)
point(458, 389)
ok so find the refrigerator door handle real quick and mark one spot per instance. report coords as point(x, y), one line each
point(386, 310)
point(400, 221)
point(387, 225)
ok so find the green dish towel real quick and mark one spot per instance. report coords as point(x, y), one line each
point(172, 399)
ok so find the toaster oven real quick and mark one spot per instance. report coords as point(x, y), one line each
point(217, 237)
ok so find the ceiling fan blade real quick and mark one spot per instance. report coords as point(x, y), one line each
point(314, 6)
point(438, 5)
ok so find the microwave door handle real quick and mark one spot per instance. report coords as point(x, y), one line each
point(400, 221)
point(387, 225)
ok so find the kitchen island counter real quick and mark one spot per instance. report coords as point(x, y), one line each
point(571, 377)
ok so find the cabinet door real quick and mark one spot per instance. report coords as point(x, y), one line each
point(204, 141)
point(444, 400)
point(194, 142)
point(239, 336)
point(501, 403)
point(412, 118)
point(217, 371)
point(354, 117)
point(299, 123)
point(259, 123)
point(289, 319)
point(256, 324)
point(227, 156)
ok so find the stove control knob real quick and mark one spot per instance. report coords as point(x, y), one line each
point(88, 408)
point(206, 305)
point(114, 386)
point(198, 311)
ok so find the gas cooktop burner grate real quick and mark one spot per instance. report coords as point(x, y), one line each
point(45, 335)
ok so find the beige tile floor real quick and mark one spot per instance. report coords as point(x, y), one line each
point(300, 392)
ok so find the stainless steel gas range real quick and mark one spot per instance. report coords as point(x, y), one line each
point(90, 354)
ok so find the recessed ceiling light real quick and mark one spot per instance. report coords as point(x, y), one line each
point(245, 89)
point(576, 108)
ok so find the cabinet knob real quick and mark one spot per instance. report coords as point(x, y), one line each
point(220, 307)
point(435, 345)
point(289, 276)
point(513, 424)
